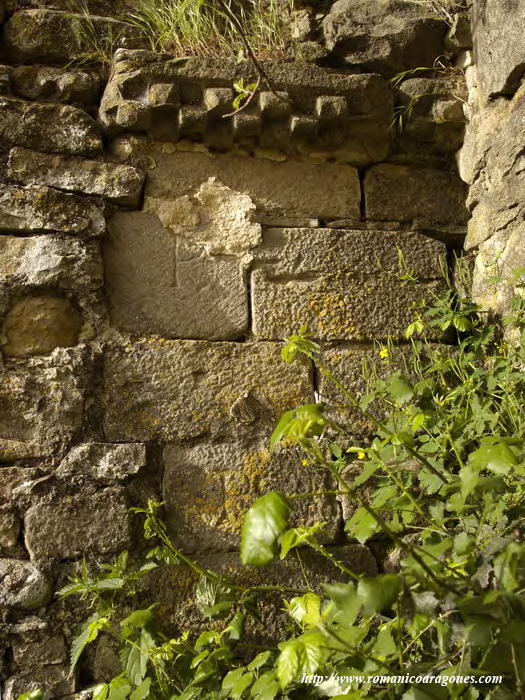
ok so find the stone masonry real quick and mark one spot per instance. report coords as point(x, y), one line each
point(155, 249)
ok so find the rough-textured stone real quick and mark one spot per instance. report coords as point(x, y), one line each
point(172, 100)
point(23, 585)
point(64, 263)
point(53, 679)
point(41, 407)
point(48, 36)
point(149, 385)
point(97, 523)
point(423, 195)
point(290, 188)
point(119, 183)
point(383, 36)
point(56, 84)
point(48, 127)
point(36, 325)
point(209, 487)
point(39, 652)
point(342, 284)
point(36, 209)
point(499, 49)
point(103, 462)
point(174, 588)
point(9, 527)
point(160, 283)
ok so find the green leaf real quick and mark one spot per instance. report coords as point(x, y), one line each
point(346, 599)
point(264, 523)
point(137, 620)
point(143, 690)
point(297, 536)
point(303, 422)
point(260, 660)
point(231, 678)
point(469, 478)
point(497, 458)
point(306, 609)
point(298, 656)
point(266, 687)
point(379, 593)
point(399, 389)
point(32, 695)
point(241, 685)
point(87, 635)
point(362, 525)
point(385, 644)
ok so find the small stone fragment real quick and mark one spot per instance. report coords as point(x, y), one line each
point(103, 462)
point(23, 585)
point(37, 325)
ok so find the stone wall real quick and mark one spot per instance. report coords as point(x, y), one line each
point(492, 160)
point(152, 255)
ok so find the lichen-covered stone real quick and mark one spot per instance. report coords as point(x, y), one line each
point(174, 588)
point(96, 523)
point(48, 83)
point(41, 406)
point(48, 36)
point(23, 585)
point(36, 209)
point(119, 183)
point(209, 487)
point(499, 50)
point(158, 283)
point(49, 261)
point(424, 196)
point(175, 390)
point(342, 284)
point(48, 127)
point(290, 188)
point(383, 36)
point(36, 325)
point(103, 462)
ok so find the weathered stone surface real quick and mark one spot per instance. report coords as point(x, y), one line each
point(9, 526)
point(432, 114)
point(174, 588)
point(48, 36)
point(56, 84)
point(172, 101)
point(499, 50)
point(383, 36)
point(36, 325)
point(36, 209)
point(290, 188)
point(103, 462)
point(53, 679)
point(422, 195)
point(208, 488)
point(39, 652)
point(97, 523)
point(158, 283)
point(492, 160)
point(119, 183)
point(48, 127)
point(41, 407)
point(342, 284)
point(64, 263)
point(148, 386)
point(23, 585)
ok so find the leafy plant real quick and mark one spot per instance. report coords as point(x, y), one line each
point(441, 477)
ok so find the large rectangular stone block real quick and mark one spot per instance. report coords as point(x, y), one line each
point(48, 127)
point(96, 523)
point(317, 111)
point(209, 487)
point(119, 183)
point(424, 196)
point(343, 284)
point(292, 188)
point(177, 390)
point(158, 283)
